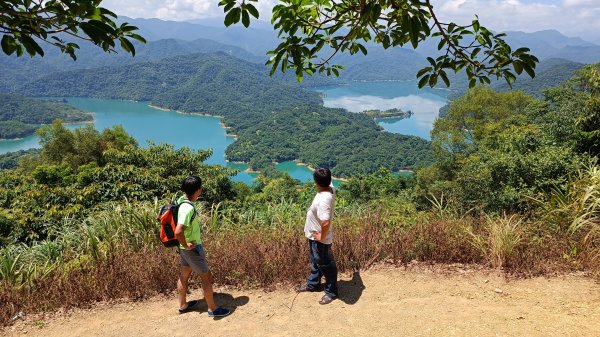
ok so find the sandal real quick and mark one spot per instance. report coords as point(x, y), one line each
point(326, 299)
point(190, 307)
point(305, 288)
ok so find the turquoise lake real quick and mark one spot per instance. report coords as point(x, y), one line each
point(146, 123)
point(202, 132)
point(360, 96)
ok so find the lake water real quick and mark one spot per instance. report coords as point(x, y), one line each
point(360, 96)
point(145, 123)
point(203, 132)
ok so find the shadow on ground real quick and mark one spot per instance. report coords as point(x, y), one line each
point(223, 300)
point(350, 291)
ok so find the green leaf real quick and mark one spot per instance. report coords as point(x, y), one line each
point(423, 71)
point(441, 43)
point(362, 48)
point(245, 19)
point(127, 46)
point(233, 16)
point(137, 37)
point(31, 46)
point(415, 29)
point(518, 67)
point(253, 11)
point(9, 45)
point(433, 80)
point(444, 78)
point(529, 70)
point(423, 81)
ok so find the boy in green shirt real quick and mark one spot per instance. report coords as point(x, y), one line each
point(192, 254)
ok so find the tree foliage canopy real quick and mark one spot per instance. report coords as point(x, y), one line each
point(312, 32)
point(24, 23)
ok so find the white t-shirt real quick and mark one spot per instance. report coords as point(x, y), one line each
point(321, 209)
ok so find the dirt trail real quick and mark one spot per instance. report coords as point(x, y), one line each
point(448, 301)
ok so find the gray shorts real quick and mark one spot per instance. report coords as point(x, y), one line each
point(196, 259)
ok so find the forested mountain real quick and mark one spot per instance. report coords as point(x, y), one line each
point(258, 39)
point(548, 44)
point(348, 143)
point(169, 38)
point(261, 110)
point(550, 73)
point(21, 116)
point(15, 71)
point(381, 65)
point(10, 160)
point(215, 84)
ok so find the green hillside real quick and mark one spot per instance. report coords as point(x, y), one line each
point(348, 143)
point(21, 116)
point(216, 84)
point(241, 92)
point(14, 71)
point(550, 73)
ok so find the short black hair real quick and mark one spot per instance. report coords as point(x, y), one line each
point(322, 177)
point(191, 184)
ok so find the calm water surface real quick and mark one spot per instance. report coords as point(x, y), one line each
point(145, 123)
point(203, 132)
point(360, 96)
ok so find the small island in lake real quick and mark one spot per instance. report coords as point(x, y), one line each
point(390, 113)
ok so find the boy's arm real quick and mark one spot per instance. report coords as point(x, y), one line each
point(324, 230)
point(324, 215)
point(180, 235)
point(185, 218)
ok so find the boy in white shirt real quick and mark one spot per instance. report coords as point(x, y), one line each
point(318, 230)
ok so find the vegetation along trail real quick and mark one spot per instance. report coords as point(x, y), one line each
point(451, 300)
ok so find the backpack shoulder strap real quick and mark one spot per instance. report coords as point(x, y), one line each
point(185, 201)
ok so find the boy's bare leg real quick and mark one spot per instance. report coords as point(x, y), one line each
point(206, 279)
point(182, 285)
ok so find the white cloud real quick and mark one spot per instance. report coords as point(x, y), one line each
point(569, 3)
point(179, 10)
point(571, 17)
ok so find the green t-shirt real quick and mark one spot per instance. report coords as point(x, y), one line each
point(184, 217)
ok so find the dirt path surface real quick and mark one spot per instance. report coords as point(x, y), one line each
point(383, 301)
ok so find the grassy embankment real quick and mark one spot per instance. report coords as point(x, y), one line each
point(115, 254)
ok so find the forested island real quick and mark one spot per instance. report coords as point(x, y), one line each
point(20, 116)
point(348, 143)
point(390, 113)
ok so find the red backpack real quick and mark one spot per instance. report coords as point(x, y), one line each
point(168, 222)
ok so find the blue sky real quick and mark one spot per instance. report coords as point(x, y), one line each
point(571, 17)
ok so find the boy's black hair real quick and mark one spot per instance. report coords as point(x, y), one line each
point(322, 177)
point(191, 184)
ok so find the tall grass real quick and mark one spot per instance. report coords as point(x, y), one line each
point(498, 242)
point(576, 210)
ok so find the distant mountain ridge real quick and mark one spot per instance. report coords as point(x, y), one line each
point(15, 71)
point(548, 44)
point(255, 40)
point(170, 38)
point(217, 84)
